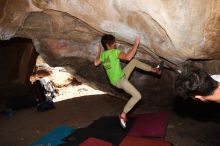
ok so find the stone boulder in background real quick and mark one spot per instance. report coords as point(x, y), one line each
point(65, 32)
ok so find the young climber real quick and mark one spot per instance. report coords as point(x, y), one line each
point(110, 59)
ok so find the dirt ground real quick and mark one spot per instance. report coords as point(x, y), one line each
point(28, 125)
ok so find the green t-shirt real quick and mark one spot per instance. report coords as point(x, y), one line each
point(112, 65)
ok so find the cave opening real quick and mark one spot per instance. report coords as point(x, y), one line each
point(66, 85)
point(22, 66)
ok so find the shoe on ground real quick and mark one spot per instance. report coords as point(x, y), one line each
point(123, 122)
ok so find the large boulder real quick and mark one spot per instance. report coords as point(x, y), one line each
point(17, 61)
point(174, 30)
point(65, 32)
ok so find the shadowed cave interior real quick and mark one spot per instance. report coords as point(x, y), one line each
point(190, 122)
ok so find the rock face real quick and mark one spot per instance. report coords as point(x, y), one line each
point(174, 30)
point(18, 58)
point(64, 32)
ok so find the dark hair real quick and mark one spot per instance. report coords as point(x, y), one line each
point(107, 39)
point(195, 82)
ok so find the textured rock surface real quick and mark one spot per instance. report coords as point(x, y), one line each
point(175, 30)
point(64, 32)
point(17, 60)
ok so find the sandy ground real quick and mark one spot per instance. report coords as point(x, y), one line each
point(28, 125)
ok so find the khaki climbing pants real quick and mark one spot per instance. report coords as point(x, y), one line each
point(128, 87)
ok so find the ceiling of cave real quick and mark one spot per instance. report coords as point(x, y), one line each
point(172, 30)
